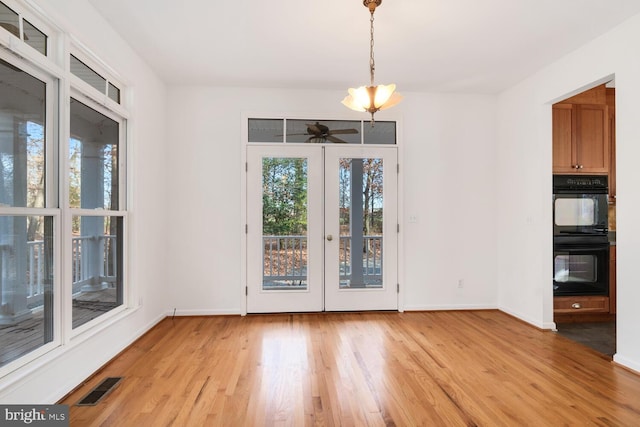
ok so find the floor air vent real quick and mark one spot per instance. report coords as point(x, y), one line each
point(100, 391)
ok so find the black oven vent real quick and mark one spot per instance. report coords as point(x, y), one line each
point(100, 391)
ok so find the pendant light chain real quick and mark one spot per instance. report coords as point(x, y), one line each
point(372, 61)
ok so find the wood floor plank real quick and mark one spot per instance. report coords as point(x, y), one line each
point(355, 369)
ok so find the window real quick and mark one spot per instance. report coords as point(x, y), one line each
point(94, 184)
point(265, 130)
point(31, 35)
point(62, 235)
point(27, 288)
point(93, 79)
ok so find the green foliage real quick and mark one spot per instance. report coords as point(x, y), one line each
point(284, 196)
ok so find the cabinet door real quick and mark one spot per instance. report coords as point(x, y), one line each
point(592, 138)
point(564, 160)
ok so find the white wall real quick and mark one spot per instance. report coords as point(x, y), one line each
point(448, 144)
point(54, 375)
point(525, 168)
point(449, 180)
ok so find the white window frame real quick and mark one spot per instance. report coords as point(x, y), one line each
point(50, 208)
point(54, 68)
point(69, 213)
point(42, 23)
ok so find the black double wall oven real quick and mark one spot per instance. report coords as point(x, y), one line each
point(580, 235)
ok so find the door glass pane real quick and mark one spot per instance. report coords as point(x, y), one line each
point(26, 285)
point(93, 159)
point(284, 223)
point(575, 268)
point(22, 138)
point(361, 228)
point(97, 266)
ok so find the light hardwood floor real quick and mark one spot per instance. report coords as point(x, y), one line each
point(382, 369)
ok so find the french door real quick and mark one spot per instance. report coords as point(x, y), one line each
point(321, 228)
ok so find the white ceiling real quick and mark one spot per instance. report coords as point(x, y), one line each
point(471, 46)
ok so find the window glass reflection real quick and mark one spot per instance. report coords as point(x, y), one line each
point(114, 93)
point(266, 130)
point(26, 285)
point(9, 20)
point(97, 266)
point(380, 133)
point(93, 159)
point(323, 131)
point(86, 74)
point(34, 37)
point(22, 138)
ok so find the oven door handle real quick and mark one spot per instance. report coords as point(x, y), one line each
point(580, 247)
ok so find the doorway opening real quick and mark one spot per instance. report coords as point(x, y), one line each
point(584, 140)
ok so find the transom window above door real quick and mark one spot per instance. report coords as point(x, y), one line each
point(315, 131)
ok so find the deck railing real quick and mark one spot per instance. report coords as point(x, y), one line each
point(285, 259)
point(80, 265)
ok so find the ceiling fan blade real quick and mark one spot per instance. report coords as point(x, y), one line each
point(342, 131)
point(336, 140)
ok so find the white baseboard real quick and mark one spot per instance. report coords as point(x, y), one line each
point(541, 325)
point(627, 363)
point(452, 307)
point(204, 312)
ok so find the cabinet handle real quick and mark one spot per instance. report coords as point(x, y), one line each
point(576, 305)
point(580, 167)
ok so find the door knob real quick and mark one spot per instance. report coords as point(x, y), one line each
point(329, 237)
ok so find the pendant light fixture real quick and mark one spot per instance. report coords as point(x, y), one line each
point(372, 98)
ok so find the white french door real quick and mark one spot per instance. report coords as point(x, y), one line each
point(361, 228)
point(321, 228)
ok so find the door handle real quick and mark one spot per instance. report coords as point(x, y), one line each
point(329, 237)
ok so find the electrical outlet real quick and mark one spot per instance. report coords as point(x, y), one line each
point(413, 218)
point(460, 283)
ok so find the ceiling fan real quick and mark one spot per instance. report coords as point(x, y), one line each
point(320, 133)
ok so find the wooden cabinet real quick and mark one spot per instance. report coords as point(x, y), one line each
point(581, 138)
point(580, 304)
